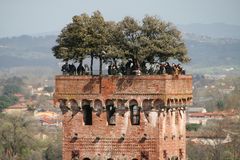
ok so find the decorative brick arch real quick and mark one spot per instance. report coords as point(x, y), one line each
point(62, 100)
point(74, 106)
point(110, 110)
point(133, 102)
point(176, 102)
point(98, 106)
point(72, 102)
point(189, 100)
point(85, 102)
point(184, 101)
point(121, 103)
point(63, 105)
point(109, 102)
point(147, 104)
point(158, 103)
point(170, 102)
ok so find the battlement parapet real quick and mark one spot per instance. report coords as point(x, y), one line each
point(164, 90)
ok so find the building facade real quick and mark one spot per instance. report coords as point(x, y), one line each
point(124, 117)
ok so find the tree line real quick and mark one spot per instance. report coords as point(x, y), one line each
point(11, 86)
point(149, 41)
point(20, 139)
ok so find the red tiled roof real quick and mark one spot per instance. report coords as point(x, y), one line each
point(17, 106)
point(49, 120)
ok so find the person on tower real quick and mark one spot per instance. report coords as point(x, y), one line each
point(65, 68)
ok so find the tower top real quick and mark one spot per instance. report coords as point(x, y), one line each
point(161, 90)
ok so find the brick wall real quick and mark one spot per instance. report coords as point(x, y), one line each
point(160, 134)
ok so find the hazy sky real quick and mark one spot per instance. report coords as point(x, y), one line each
point(37, 16)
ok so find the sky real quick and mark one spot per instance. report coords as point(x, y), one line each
point(18, 17)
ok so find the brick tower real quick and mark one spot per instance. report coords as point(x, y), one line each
point(124, 117)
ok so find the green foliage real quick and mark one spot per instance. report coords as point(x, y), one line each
point(152, 40)
point(20, 139)
point(53, 152)
point(31, 108)
point(16, 136)
point(223, 96)
point(7, 100)
point(11, 89)
point(193, 127)
point(220, 104)
point(48, 89)
point(12, 86)
point(92, 36)
point(17, 81)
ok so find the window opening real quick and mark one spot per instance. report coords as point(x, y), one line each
point(135, 115)
point(111, 117)
point(87, 115)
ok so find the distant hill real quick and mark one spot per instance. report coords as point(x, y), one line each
point(207, 53)
point(212, 51)
point(214, 55)
point(215, 30)
point(27, 51)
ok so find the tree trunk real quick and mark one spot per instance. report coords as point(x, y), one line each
point(91, 67)
point(100, 65)
point(81, 61)
point(80, 70)
point(115, 61)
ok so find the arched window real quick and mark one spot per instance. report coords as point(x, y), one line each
point(121, 103)
point(133, 102)
point(63, 106)
point(87, 113)
point(158, 103)
point(98, 105)
point(135, 115)
point(74, 106)
point(111, 117)
point(147, 105)
point(121, 107)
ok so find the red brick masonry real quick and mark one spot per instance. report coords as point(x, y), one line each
point(160, 133)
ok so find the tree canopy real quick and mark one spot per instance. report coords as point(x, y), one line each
point(151, 40)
